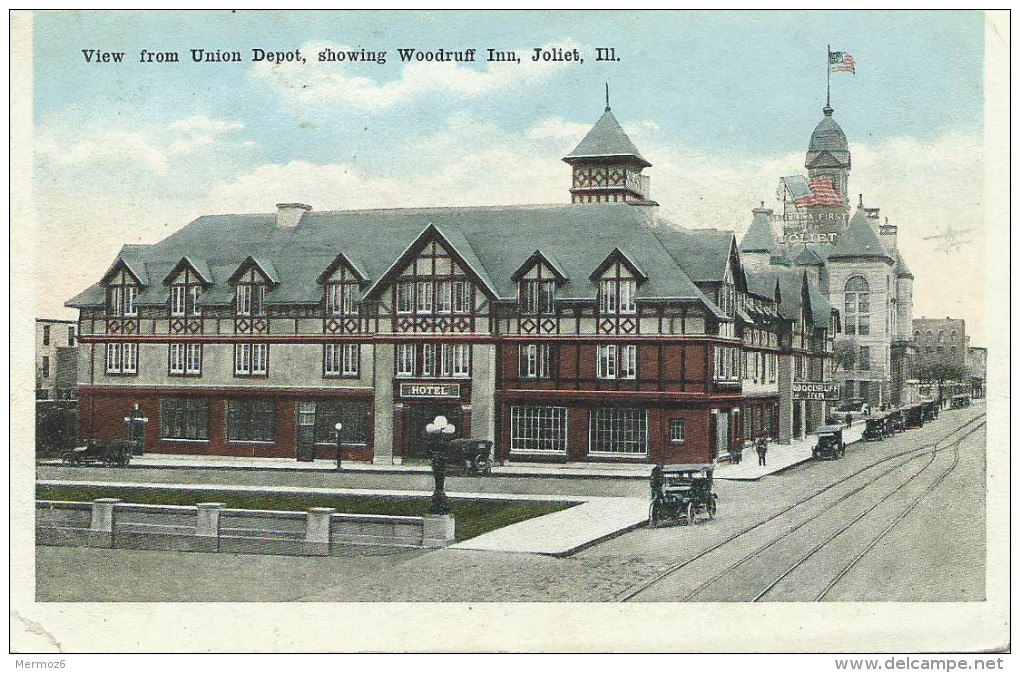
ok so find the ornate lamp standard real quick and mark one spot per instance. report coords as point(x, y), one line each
point(440, 431)
point(336, 429)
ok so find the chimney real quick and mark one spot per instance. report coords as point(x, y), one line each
point(887, 234)
point(288, 215)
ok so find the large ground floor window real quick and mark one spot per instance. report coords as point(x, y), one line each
point(618, 431)
point(352, 413)
point(184, 418)
point(251, 421)
point(538, 429)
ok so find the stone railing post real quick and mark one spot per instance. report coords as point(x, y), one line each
point(101, 530)
point(207, 527)
point(317, 531)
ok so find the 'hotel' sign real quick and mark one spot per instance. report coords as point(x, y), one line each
point(430, 390)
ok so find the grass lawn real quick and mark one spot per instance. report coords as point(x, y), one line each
point(474, 517)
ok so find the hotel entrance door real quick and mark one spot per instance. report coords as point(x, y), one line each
point(415, 440)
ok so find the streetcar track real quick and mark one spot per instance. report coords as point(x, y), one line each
point(641, 587)
point(906, 512)
point(791, 531)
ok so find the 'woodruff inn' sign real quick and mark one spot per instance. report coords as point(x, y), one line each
point(805, 390)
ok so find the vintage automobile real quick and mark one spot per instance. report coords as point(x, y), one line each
point(93, 453)
point(469, 457)
point(830, 443)
point(913, 416)
point(896, 422)
point(875, 429)
point(681, 492)
point(931, 410)
point(960, 401)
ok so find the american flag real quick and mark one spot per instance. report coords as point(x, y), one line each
point(823, 195)
point(840, 61)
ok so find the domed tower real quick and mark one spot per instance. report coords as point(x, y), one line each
point(607, 166)
point(828, 157)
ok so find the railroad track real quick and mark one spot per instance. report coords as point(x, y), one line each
point(898, 460)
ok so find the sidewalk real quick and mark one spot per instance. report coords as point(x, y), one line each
point(591, 520)
point(779, 457)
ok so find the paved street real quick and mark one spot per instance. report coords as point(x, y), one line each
point(934, 551)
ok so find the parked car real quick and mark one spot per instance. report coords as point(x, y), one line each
point(469, 457)
point(93, 453)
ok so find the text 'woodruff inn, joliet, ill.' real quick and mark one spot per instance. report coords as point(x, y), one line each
point(593, 330)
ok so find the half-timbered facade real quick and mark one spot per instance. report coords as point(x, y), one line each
point(594, 331)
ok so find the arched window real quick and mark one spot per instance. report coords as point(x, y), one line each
point(928, 335)
point(917, 335)
point(952, 337)
point(856, 305)
point(942, 335)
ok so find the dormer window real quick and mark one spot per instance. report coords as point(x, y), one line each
point(617, 295)
point(340, 298)
point(537, 297)
point(122, 300)
point(184, 299)
point(250, 299)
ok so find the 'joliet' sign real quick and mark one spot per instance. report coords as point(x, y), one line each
point(430, 390)
point(805, 390)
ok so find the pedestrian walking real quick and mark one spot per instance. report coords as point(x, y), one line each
point(849, 420)
point(762, 448)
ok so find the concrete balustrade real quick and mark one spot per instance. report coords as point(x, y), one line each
point(210, 527)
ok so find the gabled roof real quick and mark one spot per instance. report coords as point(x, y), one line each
point(702, 253)
point(859, 241)
point(130, 258)
point(807, 257)
point(540, 257)
point(492, 241)
point(823, 159)
point(759, 236)
point(346, 261)
point(821, 309)
point(618, 255)
point(264, 267)
point(606, 139)
point(198, 266)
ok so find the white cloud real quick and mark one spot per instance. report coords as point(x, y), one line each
point(319, 85)
point(116, 147)
point(198, 131)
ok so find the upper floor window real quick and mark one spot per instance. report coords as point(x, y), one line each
point(864, 359)
point(70, 336)
point(952, 337)
point(122, 300)
point(942, 336)
point(728, 299)
point(857, 308)
point(436, 360)
point(46, 335)
point(536, 361)
point(340, 298)
point(46, 366)
point(617, 295)
point(184, 299)
point(251, 359)
point(341, 359)
point(250, 299)
point(122, 358)
point(537, 296)
point(185, 359)
point(617, 362)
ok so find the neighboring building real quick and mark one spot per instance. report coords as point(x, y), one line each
point(853, 261)
point(592, 331)
point(941, 340)
point(977, 364)
point(56, 359)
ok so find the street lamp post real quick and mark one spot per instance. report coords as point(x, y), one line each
point(439, 431)
point(337, 428)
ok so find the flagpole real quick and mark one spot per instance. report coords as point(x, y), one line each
point(828, 56)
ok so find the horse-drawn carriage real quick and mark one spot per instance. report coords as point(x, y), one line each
point(681, 492)
point(117, 454)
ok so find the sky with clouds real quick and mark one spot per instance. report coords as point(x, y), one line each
point(722, 104)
